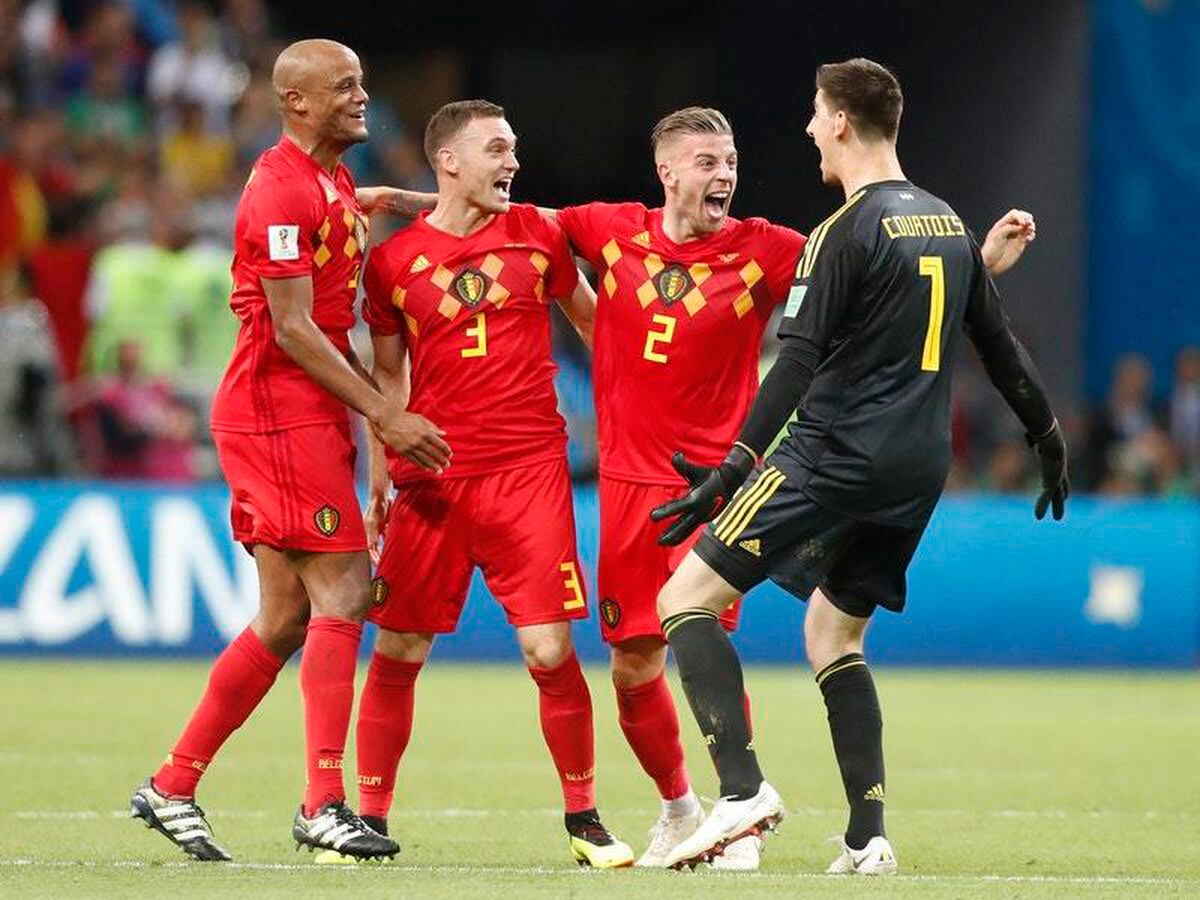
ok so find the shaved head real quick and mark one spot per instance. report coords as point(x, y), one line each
point(319, 84)
point(305, 63)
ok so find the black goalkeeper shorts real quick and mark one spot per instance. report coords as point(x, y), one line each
point(771, 529)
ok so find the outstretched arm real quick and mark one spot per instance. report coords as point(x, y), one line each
point(580, 309)
point(396, 201)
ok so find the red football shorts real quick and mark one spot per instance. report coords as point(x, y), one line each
point(633, 567)
point(293, 489)
point(517, 525)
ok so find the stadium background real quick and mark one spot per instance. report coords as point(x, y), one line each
point(122, 153)
point(126, 130)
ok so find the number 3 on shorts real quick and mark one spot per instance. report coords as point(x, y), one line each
point(571, 583)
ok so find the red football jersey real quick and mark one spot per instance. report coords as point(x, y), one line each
point(474, 312)
point(678, 332)
point(293, 219)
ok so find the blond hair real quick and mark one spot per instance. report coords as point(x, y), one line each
point(689, 120)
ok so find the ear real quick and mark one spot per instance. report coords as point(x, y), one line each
point(666, 174)
point(841, 124)
point(295, 101)
point(447, 160)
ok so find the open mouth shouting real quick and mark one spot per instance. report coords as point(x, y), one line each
point(503, 188)
point(716, 203)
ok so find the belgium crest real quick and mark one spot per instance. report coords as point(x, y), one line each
point(379, 591)
point(470, 286)
point(673, 282)
point(327, 519)
point(610, 612)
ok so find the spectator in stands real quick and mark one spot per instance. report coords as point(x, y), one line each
point(1184, 413)
point(1126, 415)
point(132, 297)
point(194, 71)
point(195, 158)
point(34, 438)
point(145, 431)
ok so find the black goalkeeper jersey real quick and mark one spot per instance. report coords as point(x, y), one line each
point(885, 288)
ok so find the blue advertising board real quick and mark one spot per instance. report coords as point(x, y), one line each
point(131, 570)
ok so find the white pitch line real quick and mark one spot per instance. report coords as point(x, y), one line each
point(417, 870)
point(90, 814)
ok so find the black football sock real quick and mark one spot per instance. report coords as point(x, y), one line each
point(856, 725)
point(712, 679)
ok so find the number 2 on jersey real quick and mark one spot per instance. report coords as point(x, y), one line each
point(479, 332)
point(931, 357)
point(654, 338)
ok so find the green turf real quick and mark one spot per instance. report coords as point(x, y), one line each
point(1039, 785)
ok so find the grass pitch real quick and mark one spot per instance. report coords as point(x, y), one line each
point(1040, 785)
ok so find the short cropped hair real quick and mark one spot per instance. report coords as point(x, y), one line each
point(453, 118)
point(867, 92)
point(690, 120)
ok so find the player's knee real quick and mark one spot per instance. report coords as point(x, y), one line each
point(283, 635)
point(548, 650)
point(409, 647)
point(824, 644)
point(638, 661)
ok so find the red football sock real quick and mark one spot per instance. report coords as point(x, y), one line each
point(240, 678)
point(651, 725)
point(327, 683)
point(385, 717)
point(566, 712)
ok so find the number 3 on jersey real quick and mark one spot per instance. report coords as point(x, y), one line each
point(931, 357)
point(478, 331)
point(655, 337)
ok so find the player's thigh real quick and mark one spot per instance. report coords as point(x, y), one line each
point(283, 607)
point(523, 538)
point(632, 567)
point(871, 569)
point(337, 584)
point(695, 585)
point(293, 489)
point(424, 570)
point(770, 530)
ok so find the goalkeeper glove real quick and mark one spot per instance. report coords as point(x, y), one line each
point(1051, 450)
point(711, 490)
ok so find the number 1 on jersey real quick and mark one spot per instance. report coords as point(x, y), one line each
point(931, 357)
point(479, 332)
point(654, 338)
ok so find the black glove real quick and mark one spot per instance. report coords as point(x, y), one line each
point(1052, 456)
point(711, 490)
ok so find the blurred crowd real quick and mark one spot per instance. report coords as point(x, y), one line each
point(127, 129)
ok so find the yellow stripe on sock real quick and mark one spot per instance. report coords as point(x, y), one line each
point(834, 668)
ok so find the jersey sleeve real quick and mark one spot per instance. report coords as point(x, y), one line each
point(824, 285)
point(378, 311)
point(984, 315)
point(781, 252)
point(281, 220)
point(562, 275)
point(589, 227)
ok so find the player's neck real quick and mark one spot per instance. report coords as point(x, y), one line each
point(456, 216)
point(678, 227)
point(869, 166)
point(326, 155)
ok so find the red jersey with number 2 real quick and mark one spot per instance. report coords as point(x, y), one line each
point(294, 219)
point(678, 332)
point(474, 312)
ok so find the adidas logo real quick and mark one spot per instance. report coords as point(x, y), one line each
point(642, 239)
point(875, 792)
point(420, 264)
point(727, 257)
point(751, 546)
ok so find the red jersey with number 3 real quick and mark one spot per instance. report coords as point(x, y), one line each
point(474, 312)
point(294, 219)
point(678, 332)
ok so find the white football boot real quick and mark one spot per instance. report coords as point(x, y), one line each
point(740, 856)
point(877, 858)
point(667, 832)
point(729, 821)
